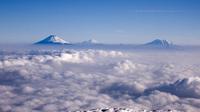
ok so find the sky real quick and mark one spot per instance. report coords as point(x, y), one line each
point(108, 21)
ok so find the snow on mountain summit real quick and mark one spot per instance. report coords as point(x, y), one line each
point(52, 39)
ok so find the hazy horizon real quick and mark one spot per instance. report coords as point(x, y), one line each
point(99, 42)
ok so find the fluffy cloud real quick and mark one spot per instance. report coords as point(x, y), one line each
point(126, 66)
point(122, 90)
point(157, 99)
point(69, 80)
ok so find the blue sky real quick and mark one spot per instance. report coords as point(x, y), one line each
point(108, 21)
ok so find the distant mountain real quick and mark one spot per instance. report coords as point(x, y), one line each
point(91, 41)
point(158, 43)
point(52, 39)
point(155, 44)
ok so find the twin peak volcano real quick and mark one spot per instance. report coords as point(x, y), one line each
point(159, 43)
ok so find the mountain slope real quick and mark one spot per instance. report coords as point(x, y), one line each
point(52, 39)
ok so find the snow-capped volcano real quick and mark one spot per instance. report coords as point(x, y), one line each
point(91, 41)
point(159, 43)
point(52, 39)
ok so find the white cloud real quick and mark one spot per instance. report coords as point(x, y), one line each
point(68, 80)
point(157, 99)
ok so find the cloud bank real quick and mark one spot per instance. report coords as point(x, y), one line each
point(70, 80)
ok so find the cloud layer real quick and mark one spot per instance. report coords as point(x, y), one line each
point(70, 80)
